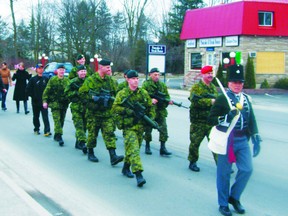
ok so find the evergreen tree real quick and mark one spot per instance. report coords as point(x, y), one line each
point(3, 37)
point(220, 76)
point(170, 35)
point(250, 80)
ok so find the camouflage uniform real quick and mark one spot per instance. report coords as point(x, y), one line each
point(199, 111)
point(98, 114)
point(133, 128)
point(57, 101)
point(122, 85)
point(78, 109)
point(160, 108)
point(73, 72)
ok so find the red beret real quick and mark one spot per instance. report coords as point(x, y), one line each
point(206, 69)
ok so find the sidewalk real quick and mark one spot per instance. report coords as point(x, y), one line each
point(270, 91)
point(15, 201)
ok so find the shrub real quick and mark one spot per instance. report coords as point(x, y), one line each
point(264, 84)
point(220, 76)
point(250, 80)
point(282, 83)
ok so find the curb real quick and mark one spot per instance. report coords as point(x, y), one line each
point(19, 192)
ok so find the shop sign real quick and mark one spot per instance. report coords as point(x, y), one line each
point(231, 41)
point(210, 42)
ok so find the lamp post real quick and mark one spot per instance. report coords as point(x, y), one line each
point(43, 59)
point(96, 60)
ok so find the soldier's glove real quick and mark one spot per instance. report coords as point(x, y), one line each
point(230, 116)
point(256, 139)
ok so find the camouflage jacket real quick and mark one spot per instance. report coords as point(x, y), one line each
point(73, 72)
point(95, 86)
point(124, 117)
point(152, 88)
point(122, 85)
point(71, 91)
point(54, 93)
point(200, 98)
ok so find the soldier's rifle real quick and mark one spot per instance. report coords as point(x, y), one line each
point(160, 96)
point(102, 97)
point(139, 112)
point(196, 97)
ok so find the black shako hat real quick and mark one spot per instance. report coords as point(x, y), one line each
point(132, 73)
point(105, 62)
point(153, 70)
point(235, 73)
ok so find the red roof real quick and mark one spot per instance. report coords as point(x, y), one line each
point(238, 18)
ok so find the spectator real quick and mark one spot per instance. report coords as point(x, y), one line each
point(21, 76)
point(7, 81)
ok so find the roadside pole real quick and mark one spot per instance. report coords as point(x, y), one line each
point(155, 56)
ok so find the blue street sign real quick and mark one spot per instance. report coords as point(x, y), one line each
point(209, 48)
point(157, 49)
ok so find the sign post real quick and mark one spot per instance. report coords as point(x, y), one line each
point(156, 58)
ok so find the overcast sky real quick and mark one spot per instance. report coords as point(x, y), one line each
point(22, 8)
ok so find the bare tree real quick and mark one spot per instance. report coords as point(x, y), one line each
point(135, 21)
point(134, 10)
point(14, 28)
point(216, 2)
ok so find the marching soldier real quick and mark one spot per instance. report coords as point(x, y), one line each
point(155, 87)
point(80, 60)
point(54, 97)
point(233, 112)
point(99, 91)
point(130, 120)
point(202, 97)
point(78, 109)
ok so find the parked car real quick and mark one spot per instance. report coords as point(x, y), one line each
point(50, 69)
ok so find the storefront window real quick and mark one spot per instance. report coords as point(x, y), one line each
point(196, 61)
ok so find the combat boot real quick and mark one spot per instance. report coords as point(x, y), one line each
point(83, 146)
point(60, 140)
point(193, 166)
point(126, 170)
point(163, 150)
point(115, 159)
point(91, 155)
point(147, 148)
point(56, 137)
point(140, 180)
point(78, 145)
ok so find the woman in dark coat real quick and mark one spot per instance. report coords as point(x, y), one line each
point(21, 76)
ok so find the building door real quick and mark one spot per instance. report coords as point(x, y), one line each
point(210, 59)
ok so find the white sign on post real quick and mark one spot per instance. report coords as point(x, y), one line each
point(156, 61)
point(156, 57)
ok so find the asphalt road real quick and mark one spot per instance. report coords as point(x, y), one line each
point(63, 181)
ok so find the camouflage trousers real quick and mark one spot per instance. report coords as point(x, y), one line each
point(198, 130)
point(58, 118)
point(79, 121)
point(107, 126)
point(163, 135)
point(132, 141)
